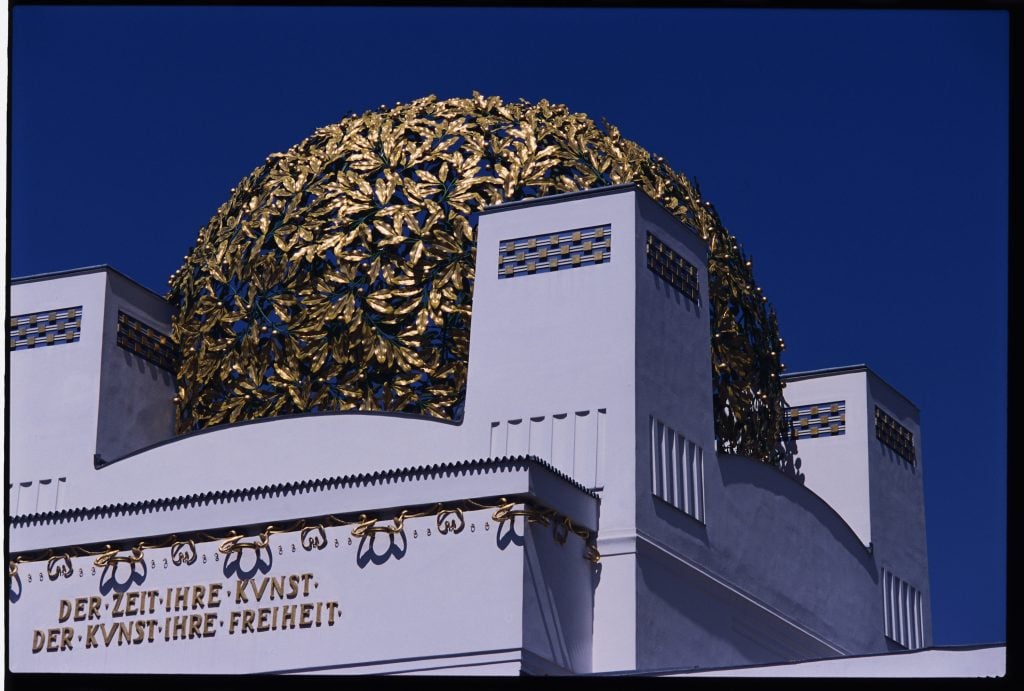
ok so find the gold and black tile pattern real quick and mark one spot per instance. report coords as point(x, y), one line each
point(817, 420)
point(567, 249)
point(146, 342)
point(54, 327)
point(894, 435)
point(672, 268)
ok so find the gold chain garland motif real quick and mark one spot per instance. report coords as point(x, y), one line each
point(368, 526)
point(450, 520)
point(234, 542)
point(184, 552)
point(339, 275)
point(113, 556)
point(447, 525)
point(505, 512)
point(313, 537)
point(58, 566)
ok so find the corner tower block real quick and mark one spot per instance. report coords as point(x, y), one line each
point(91, 378)
point(590, 330)
point(858, 440)
point(584, 305)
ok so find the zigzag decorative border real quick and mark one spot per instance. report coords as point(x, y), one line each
point(459, 467)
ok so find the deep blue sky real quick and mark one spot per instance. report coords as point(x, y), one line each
point(860, 156)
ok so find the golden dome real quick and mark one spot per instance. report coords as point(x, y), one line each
point(339, 275)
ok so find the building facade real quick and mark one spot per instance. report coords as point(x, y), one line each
point(577, 519)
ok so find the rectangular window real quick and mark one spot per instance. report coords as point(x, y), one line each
point(677, 470)
point(904, 619)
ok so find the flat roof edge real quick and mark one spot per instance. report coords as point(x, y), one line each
point(561, 197)
point(847, 369)
point(81, 271)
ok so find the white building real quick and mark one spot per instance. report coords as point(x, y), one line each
point(578, 519)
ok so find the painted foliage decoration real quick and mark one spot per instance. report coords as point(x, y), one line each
point(339, 275)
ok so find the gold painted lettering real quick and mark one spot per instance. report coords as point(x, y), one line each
point(80, 604)
point(198, 593)
point(64, 612)
point(179, 626)
point(262, 623)
point(258, 592)
point(181, 598)
point(131, 604)
point(288, 616)
point(304, 619)
point(240, 593)
point(214, 599)
point(140, 632)
point(277, 586)
point(94, 606)
point(195, 629)
point(90, 636)
point(124, 633)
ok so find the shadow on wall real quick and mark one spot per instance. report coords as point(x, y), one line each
point(155, 373)
point(791, 462)
point(14, 588)
point(507, 534)
point(234, 563)
point(396, 548)
point(681, 521)
point(135, 575)
point(747, 471)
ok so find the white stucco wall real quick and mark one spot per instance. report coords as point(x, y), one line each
point(54, 394)
point(491, 597)
point(836, 467)
point(70, 401)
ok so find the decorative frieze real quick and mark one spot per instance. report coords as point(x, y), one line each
point(672, 268)
point(894, 435)
point(567, 249)
point(53, 327)
point(146, 342)
point(817, 420)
